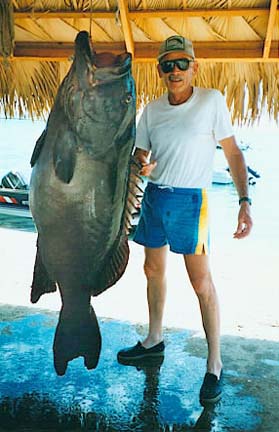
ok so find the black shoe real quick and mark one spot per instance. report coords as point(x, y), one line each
point(145, 363)
point(211, 389)
point(138, 352)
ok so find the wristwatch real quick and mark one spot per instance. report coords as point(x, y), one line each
point(245, 198)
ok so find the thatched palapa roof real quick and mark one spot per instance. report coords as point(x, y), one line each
point(236, 43)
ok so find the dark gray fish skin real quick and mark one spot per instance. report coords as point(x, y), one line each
point(78, 195)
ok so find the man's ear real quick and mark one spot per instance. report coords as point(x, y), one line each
point(159, 70)
point(195, 67)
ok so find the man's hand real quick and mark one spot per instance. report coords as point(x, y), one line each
point(147, 168)
point(143, 156)
point(244, 222)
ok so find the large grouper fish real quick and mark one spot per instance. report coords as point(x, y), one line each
point(79, 195)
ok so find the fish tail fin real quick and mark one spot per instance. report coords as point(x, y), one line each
point(76, 336)
point(41, 283)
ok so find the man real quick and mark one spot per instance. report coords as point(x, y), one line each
point(175, 143)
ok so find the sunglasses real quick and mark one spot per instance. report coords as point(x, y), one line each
point(183, 64)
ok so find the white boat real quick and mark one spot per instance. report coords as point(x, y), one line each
point(14, 202)
point(14, 196)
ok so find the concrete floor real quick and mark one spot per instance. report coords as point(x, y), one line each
point(117, 398)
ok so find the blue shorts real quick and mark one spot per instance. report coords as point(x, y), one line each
point(174, 216)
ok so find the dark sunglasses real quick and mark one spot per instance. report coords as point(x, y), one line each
point(183, 64)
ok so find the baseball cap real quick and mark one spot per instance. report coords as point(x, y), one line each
point(176, 43)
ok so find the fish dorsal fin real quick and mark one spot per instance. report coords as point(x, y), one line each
point(134, 194)
point(116, 262)
point(38, 148)
point(64, 155)
point(114, 266)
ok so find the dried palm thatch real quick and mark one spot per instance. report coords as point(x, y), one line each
point(28, 87)
point(236, 42)
point(249, 87)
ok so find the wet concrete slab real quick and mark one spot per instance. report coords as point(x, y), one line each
point(161, 396)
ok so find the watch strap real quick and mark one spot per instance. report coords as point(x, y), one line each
point(245, 199)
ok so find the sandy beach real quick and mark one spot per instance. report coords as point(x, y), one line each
point(247, 286)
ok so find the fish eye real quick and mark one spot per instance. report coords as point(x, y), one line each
point(128, 99)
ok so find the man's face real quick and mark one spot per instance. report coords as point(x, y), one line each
point(178, 81)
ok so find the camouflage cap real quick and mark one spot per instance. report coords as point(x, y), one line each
point(176, 43)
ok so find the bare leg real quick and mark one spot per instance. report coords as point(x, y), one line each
point(200, 277)
point(155, 271)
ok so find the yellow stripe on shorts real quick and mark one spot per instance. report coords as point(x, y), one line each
point(202, 244)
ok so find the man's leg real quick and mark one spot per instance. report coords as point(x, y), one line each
point(153, 345)
point(155, 270)
point(200, 276)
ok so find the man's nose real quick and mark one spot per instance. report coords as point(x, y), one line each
point(176, 68)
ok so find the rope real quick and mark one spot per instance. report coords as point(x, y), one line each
point(90, 20)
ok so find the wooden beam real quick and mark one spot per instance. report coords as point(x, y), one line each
point(205, 13)
point(126, 26)
point(233, 50)
point(66, 15)
point(224, 51)
point(60, 50)
point(270, 26)
point(145, 13)
point(144, 51)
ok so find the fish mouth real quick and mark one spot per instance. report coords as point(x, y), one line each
point(104, 66)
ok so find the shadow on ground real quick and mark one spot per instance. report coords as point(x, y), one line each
point(117, 398)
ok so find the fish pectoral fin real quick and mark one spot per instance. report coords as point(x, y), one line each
point(38, 148)
point(77, 335)
point(41, 283)
point(64, 155)
point(114, 267)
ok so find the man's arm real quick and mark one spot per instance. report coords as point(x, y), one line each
point(239, 175)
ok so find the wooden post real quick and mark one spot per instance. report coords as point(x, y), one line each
point(270, 26)
point(126, 26)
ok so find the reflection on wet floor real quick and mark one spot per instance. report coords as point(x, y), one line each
point(35, 412)
point(159, 395)
point(32, 411)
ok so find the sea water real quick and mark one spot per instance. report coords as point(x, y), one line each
point(18, 138)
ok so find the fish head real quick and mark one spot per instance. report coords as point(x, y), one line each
point(99, 98)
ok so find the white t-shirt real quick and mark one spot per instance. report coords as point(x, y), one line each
point(183, 138)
